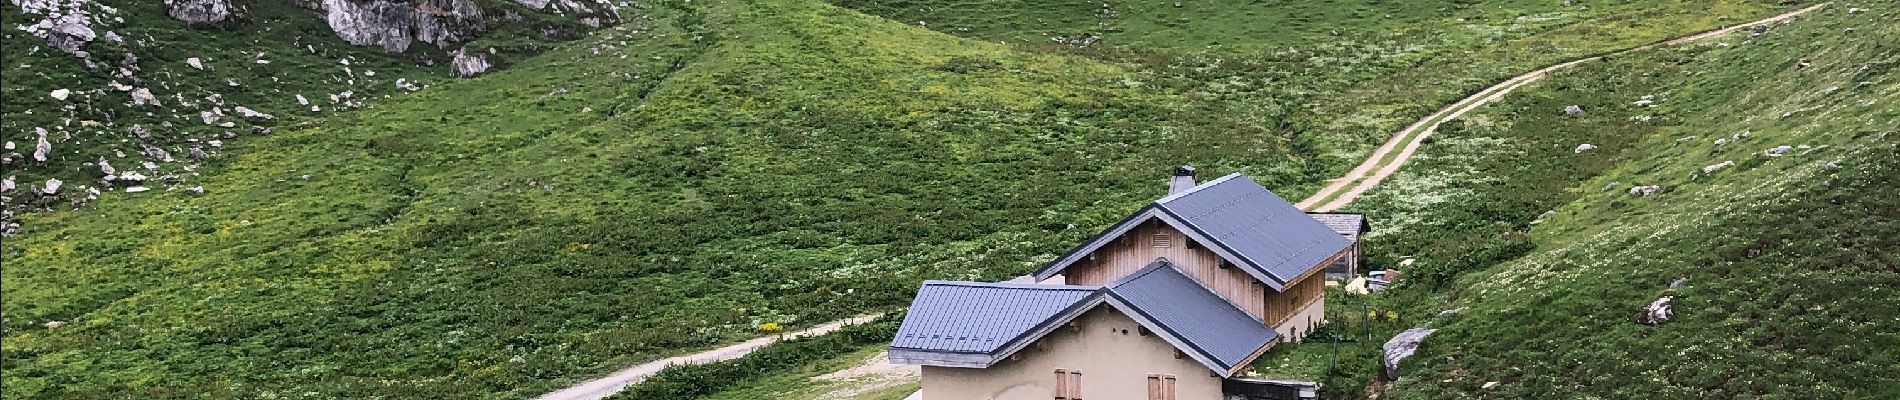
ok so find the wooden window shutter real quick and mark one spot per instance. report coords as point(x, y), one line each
point(1062, 384)
point(1167, 387)
point(1075, 384)
point(1154, 387)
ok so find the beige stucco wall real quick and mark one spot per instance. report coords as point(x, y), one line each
point(1296, 327)
point(1115, 366)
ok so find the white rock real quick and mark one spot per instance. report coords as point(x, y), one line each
point(1711, 168)
point(1778, 151)
point(1658, 311)
point(195, 63)
point(1402, 346)
point(143, 96)
point(44, 148)
point(1583, 148)
point(60, 94)
point(209, 117)
point(253, 114)
point(302, 101)
point(1490, 385)
point(52, 187)
point(137, 189)
point(1641, 191)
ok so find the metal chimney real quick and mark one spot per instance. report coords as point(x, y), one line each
point(1183, 179)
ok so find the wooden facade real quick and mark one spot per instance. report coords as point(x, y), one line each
point(1345, 268)
point(1153, 239)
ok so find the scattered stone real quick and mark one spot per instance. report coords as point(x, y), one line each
point(468, 64)
point(1658, 311)
point(195, 63)
point(1583, 148)
point(195, 190)
point(1641, 191)
point(143, 96)
point(7, 185)
point(106, 169)
point(302, 101)
point(1541, 217)
point(71, 34)
point(1402, 346)
point(140, 132)
point(209, 117)
point(1573, 110)
point(198, 153)
point(1711, 168)
point(1830, 90)
point(1779, 151)
point(202, 12)
point(43, 148)
point(1678, 282)
point(1805, 150)
point(1832, 165)
point(52, 187)
point(1490, 385)
point(60, 94)
point(132, 176)
point(253, 114)
point(1856, 10)
point(54, 324)
point(137, 189)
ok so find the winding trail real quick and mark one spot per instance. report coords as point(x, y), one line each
point(600, 388)
point(1383, 162)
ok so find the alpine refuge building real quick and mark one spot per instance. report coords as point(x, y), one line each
point(1171, 302)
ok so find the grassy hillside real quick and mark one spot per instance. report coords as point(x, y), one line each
point(1781, 267)
point(1335, 77)
point(657, 188)
point(263, 61)
point(736, 164)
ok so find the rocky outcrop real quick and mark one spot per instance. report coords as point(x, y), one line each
point(467, 64)
point(395, 25)
point(1657, 312)
point(1402, 346)
point(203, 12)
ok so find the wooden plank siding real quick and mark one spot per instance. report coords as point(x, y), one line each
point(1153, 239)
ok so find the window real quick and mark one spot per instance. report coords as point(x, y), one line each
point(1163, 240)
point(1160, 387)
point(1068, 384)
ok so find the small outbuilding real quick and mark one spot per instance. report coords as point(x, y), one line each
point(1352, 226)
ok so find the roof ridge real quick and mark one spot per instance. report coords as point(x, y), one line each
point(1197, 188)
point(1007, 285)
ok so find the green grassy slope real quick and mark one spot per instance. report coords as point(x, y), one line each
point(263, 61)
point(1787, 263)
point(635, 194)
point(1335, 95)
point(737, 163)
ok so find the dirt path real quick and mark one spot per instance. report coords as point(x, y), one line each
point(1383, 163)
point(602, 387)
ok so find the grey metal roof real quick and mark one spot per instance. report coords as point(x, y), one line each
point(1206, 323)
point(975, 325)
point(1240, 221)
point(1349, 225)
point(976, 317)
